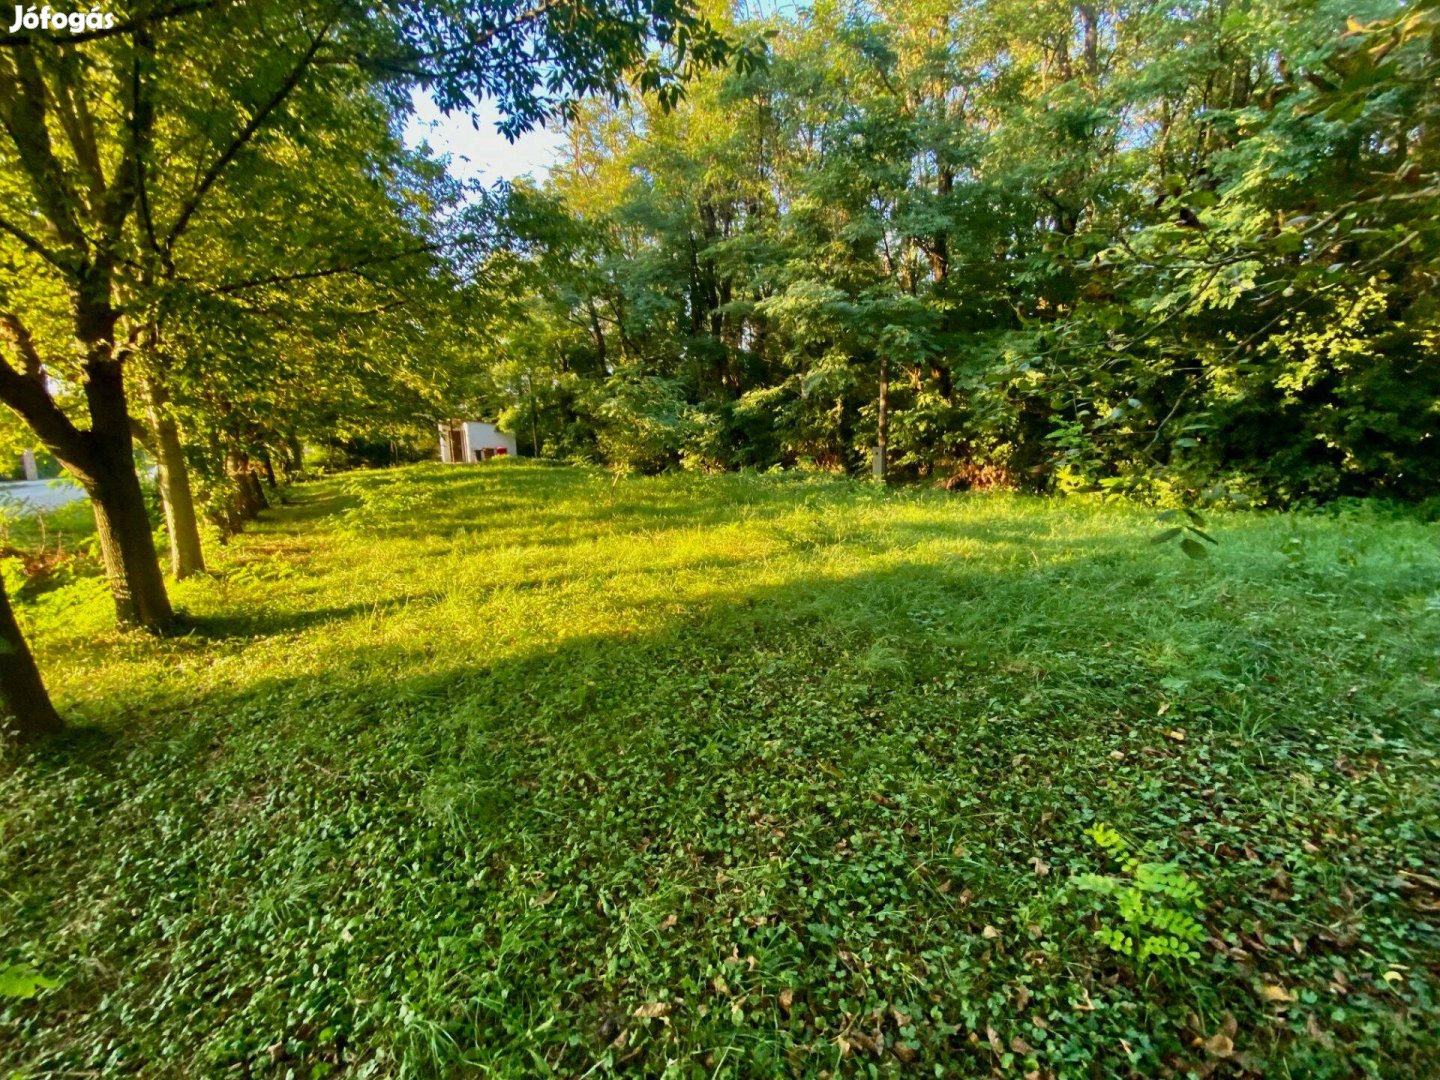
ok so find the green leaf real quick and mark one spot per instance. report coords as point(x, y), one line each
point(1192, 548)
point(23, 981)
point(1166, 535)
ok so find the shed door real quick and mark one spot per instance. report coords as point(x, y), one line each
point(457, 444)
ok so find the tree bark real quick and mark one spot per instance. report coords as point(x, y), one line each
point(257, 492)
point(127, 546)
point(123, 525)
point(187, 557)
point(29, 715)
point(249, 496)
point(294, 456)
point(882, 424)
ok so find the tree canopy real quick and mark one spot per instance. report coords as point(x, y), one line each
point(1068, 245)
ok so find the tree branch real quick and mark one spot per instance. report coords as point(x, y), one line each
point(283, 91)
point(34, 245)
point(29, 396)
point(23, 112)
point(307, 275)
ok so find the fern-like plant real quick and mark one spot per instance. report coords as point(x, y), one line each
point(1156, 903)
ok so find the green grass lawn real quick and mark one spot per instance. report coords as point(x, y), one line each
point(517, 770)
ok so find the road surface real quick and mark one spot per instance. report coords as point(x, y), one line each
point(40, 494)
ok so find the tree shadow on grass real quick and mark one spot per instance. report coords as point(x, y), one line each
point(849, 779)
point(852, 779)
point(241, 623)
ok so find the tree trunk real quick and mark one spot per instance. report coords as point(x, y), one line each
point(882, 425)
point(534, 423)
point(29, 715)
point(249, 496)
point(127, 547)
point(295, 456)
point(102, 458)
point(257, 493)
point(269, 467)
point(186, 555)
point(940, 256)
point(121, 521)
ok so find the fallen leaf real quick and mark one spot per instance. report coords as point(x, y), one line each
point(1272, 992)
point(669, 921)
point(989, 933)
point(1040, 865)
point(653, 1010)
point(1175, 733)
point(787, 998)
point(1020, 1046)
point(1220, 1045)
point(865, 1042)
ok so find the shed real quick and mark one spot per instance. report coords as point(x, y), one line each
point(474, 440)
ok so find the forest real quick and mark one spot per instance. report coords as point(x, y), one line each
point(1185, 252)
point(962, 596)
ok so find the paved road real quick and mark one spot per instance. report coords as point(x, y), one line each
point(40, 494)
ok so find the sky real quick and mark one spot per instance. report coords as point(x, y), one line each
point(482, 153)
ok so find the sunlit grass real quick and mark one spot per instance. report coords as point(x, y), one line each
point(457, 768)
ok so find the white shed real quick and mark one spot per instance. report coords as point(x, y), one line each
point(472, 440)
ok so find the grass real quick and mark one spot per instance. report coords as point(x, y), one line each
point(63, 528)
point(517, 771)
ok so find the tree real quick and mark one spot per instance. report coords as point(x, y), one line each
point(28, 713)
point(1178, 252)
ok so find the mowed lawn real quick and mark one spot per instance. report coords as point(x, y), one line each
point(519, 770)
